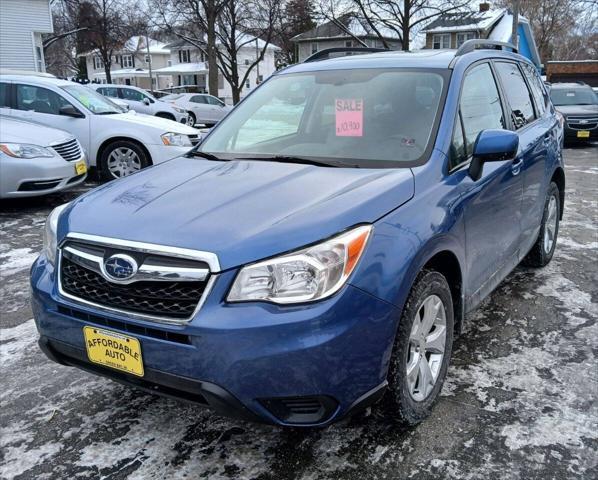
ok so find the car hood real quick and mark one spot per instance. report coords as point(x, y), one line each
point(162, 124)
point(20, 131)
point(577, 109)
point(242, 211)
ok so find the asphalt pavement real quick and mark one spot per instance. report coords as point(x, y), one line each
point(520, 401)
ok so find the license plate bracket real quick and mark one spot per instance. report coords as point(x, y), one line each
point(114, 350)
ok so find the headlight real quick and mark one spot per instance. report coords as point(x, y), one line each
point(179, 110)
point(25, 150)
point(176, 139)
point(310, 274)
point(50, 228)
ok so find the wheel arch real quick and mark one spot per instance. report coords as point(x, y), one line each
point(166, 115)
point(558, 177)
point(110, 140)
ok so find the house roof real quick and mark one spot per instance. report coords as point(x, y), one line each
point(352, 22)
point(183, 68)
point(137, 44)
point(241, 38)
point(463, 21)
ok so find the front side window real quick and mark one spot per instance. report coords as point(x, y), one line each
point(214, 101)
point(91, 100)
point(131, 94)
point(109, 91)
point(364, 117)
point(480, 107)
point(442, 41)
point(199, 99)
point(517, 93)
point(39, 100)
point(4, 95)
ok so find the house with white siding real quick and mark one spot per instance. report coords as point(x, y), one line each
point(22, 23)
point(131, 64)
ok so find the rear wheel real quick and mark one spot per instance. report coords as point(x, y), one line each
point(122, 158)
point(543, 250)
point(422, 350)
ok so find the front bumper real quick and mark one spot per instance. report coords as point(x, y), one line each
point(245, 360)
point(571, 134)
point(163, 153)
point(21, 177)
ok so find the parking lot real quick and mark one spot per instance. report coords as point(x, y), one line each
point(520, 400)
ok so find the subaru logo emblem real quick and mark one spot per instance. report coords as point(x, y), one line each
point(120, 267)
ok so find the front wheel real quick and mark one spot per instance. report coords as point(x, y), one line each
point(543, 250)
point(122, 158)
point(191, 120)
point(422, 350)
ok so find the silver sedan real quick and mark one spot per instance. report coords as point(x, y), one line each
point(37, 160)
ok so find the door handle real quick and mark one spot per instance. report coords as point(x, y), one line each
point(547, 138)
point(516, 166)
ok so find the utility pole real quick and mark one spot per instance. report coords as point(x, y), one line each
point(515, 27)
point(149, 57)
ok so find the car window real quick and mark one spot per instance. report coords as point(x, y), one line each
point(4, 95)
point(517, 93)
point(573, 96)
point(214, 101)
point(39, 99)
point(198, 99)
point(457, 154)
point(130, 94)
point(109, 91)
point(365, 117)
point(171, 97)
point(480, 109)
point(536, 86)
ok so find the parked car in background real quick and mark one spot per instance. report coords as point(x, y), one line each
point(203, 108)
point(117, 143)
point(321, 247)
point(37, 160)
point(578, 103)
point(142, 101)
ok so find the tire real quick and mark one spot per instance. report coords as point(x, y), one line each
point(543, 250)
point(129, 156)
point(408, 401)
point(193, 118)
point(167, 116)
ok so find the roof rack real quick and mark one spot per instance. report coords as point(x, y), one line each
point(480, 43)
point(323, 54)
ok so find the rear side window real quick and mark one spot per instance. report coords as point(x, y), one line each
point(517, 93)
point(4, 95)
point(39, 99)
point(480, 109)
point(536, 87)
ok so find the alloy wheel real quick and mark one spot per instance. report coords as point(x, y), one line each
point(123, 161)
point(427, 343)
point(550, 225)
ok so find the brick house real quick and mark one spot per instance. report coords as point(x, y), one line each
point(573, 71)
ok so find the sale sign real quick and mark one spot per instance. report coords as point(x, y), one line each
point(349, 117)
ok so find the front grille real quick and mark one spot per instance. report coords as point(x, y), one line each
point(581, 122)
point(70, 151)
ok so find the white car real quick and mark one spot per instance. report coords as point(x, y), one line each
point(142, 101)
point(117, 143)
point(202, 108)
point(37, 160)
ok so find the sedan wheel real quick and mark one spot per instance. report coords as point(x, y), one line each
point(551, 224)
point(122, 162)
point(426, 348)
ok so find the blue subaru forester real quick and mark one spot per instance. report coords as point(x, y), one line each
point(319, 250)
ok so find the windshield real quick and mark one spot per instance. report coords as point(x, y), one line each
point(92, 100)
point(573, 96)
point(364, 118)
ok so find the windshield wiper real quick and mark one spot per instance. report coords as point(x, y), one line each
point(293, 159)
point(206, 155)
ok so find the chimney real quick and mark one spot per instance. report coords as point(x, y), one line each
point(484, 7)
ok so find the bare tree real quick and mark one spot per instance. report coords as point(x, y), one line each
point(402, 18)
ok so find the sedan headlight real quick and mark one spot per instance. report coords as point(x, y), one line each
point(176, 140)
point(50, 230)
point(307, 275)
point(25, 150)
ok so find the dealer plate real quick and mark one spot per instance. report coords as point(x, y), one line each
point(80, 167)
point(114, 350)
point(583, 134)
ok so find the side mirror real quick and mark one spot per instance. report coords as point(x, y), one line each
point(146, 101)
point(70, 111)
point(492, 146)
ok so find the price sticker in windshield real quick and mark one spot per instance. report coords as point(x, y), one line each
point(349, 117)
